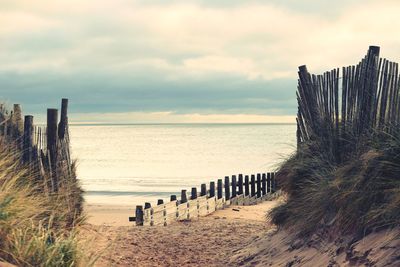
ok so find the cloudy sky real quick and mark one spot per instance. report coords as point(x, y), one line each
point(181, 61)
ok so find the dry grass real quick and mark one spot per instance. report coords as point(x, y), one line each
point(37, 229)
point(358, 196)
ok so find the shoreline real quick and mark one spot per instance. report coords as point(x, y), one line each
point(109, 214)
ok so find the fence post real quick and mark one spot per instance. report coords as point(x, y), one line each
point(28, 138)
point(139, 215)
point(264, 184)
point(160, 202)
point(246, 185)
point(240, 184)
point(234, 186)
point(253, 185)
point(194, 193)
point(183, 196)
point(17, 118)
point(258, 185)
point(219, 188)
point(203, 190)
point(172, 198)
point(52, 115)
point(147, 205)
point(273, 182)
point(227, 188)
point(212, 189)
point(269, 183)
point(62, 126)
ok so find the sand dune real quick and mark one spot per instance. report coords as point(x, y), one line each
point(279, 249)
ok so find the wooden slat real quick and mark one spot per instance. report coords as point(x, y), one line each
point(211, 202)
point(171, 212)
point(158, 218)
point(202, 202)
point(233, 201)
point(183, 211)
point(219, 204)
point(158, 209)
point(240, 200)
point(227, 203)
point(203, 211)
point(193, 209)
point(147, 217)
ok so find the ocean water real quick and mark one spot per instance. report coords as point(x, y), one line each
point(130, 164)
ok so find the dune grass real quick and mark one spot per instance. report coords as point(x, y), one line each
point(37, 229)
point(357, 196)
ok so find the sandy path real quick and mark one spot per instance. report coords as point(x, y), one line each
point(209, 241)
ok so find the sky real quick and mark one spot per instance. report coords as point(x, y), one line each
point(131, 61)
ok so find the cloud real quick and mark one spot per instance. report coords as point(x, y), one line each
point(183, 57)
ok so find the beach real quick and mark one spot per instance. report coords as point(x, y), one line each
point(208, 241)
point(109, 215)
point(235, 236)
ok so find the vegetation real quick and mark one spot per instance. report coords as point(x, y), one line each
point(359, 196)
point(36, 229)
point(345, 174)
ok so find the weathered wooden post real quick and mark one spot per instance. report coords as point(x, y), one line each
point(258, 185)
point(172, 198)
point(17, 119)
point(9, 124)
point(28, 138)
point(253, 185)
point(246, 185)
point(264, 184)
point(160, 202)
point(273, 182)
point(269, 190)
point(227, 188)
point(183, 196)
point(52, 115)
point(219, 189)
point(203, 190)
point(240, 184)
point(62, 126)
point(194, 193)
point(139, 215)
point(212, 189)
point(234, 186)
point(148, 212)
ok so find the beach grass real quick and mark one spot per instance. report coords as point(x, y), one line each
point(357, 196)
point(37, 228)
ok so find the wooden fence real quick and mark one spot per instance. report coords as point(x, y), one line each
point(235, 190)
point(45, 149)
point(343, 109)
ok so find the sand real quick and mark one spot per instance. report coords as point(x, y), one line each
point(236, 236)
point(208, 241)
point(109, 215)
point(280, 249)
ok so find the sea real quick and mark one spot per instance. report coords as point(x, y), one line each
point(128, 165)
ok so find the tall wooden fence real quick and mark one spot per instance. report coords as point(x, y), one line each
point(342, 109)
point(45, 149)
point(234, 190)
